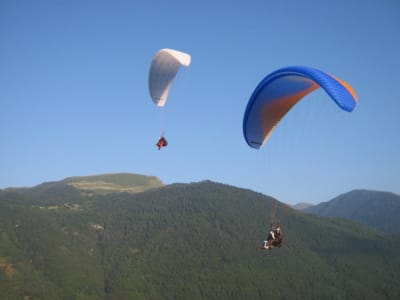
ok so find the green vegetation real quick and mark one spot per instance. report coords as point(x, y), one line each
point(183, 241)
point(379, 210)
point(111, 183)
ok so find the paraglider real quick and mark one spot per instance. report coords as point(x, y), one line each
point(274, 239)
point(279, 91)
point(164, 67)
point(162, 142)
point(274, 96)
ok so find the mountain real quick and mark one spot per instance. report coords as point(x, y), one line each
point(183, 241)
point(380, 210)
point(302, 206)
point(95, 185)
point(111, 183)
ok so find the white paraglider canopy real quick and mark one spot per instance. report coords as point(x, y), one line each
point(163, 69)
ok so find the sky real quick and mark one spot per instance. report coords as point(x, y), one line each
point(74, 93)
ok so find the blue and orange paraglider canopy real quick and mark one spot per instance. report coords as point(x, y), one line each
point(278, 92)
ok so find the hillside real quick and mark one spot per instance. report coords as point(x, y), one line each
point(302, 206)
point(111, 183)
point(380, 210)
point(77, 186)
point(184, 241)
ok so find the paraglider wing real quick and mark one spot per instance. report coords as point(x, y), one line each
point(163, 69)
point(278, 92)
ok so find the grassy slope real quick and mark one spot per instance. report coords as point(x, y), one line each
point(108, 183)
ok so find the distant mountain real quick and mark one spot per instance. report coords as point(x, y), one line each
point(111, 183)
point(380, 210)
point(183, 241)
point(96, 184)
point(302, 206)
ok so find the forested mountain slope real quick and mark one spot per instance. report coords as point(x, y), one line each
point(184, 241)
point(380, 210)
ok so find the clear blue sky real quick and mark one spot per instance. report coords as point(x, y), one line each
point(74, 95)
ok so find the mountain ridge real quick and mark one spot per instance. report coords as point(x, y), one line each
point(99, 184)
point(377, 209)
point(199, 240)
point(115, 182)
